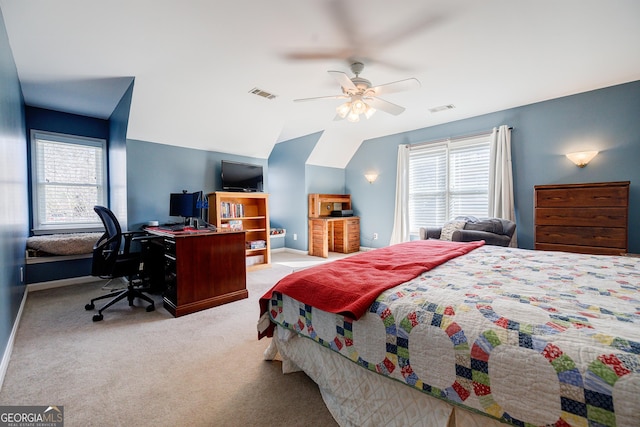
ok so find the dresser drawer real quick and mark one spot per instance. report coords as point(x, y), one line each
point(353, 246)
point(582, 236)
point(354, 222)
point(594, 250)
point(582, 197)
point(584, 217)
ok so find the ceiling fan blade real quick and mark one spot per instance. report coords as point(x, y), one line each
point(407, 30)
point(321, 97)
point(319, 55)
point(347, 25)
point(394, 87)
point(343, 80)
point(386, 106)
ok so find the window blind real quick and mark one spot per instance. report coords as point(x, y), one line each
point(69, 178)
point(448, 179)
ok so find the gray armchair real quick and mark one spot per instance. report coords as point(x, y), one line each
point(494, 231)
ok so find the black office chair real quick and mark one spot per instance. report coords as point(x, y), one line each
point(109, 262)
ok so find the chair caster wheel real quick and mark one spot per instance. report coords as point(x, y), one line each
point(151, 308)
point(97, 317)
point(89, 307)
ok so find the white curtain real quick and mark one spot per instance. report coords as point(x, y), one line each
point(400, 231)
point(501, 204)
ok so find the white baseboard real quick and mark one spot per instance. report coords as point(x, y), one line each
point(59, 283)
point(294, 251)
point(9, 349)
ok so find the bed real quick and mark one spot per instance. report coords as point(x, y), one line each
point(479, 336)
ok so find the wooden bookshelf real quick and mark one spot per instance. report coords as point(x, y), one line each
point(248, 212)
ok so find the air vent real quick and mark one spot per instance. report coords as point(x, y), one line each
point(442, 108)
point(262, 93)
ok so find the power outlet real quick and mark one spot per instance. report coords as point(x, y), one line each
point(295, 236)
point(375, 236)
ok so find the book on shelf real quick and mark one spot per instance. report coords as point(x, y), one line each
point(256, 244)
point(235, 224)
point(231, 210)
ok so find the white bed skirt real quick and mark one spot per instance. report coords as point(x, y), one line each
point(358, 397)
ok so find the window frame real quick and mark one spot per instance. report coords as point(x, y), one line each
point(39, 227)
point(483, 140)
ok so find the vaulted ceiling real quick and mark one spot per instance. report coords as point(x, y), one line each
point(195, 62)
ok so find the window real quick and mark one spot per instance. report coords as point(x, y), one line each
point(447, 180)
point(68, 179)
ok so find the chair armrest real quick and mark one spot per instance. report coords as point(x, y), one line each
point(475, 235)
point(132, 234)
point(430, 233)
point(130, 237)
point(434, 232)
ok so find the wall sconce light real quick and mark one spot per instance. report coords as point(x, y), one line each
point(371, 177)
point(581, 158)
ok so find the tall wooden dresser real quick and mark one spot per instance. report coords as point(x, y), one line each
point(584, 218)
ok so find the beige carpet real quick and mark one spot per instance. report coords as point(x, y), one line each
point(149, 369)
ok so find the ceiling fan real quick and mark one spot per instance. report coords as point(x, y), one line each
point(362, 41)
point(362, 98)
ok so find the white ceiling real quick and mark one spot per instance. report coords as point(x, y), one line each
point(195, 61)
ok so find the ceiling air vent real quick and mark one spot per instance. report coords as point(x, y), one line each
point(262, 93)
point(442, 108)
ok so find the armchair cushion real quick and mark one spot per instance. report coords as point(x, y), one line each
point(449, 228)
point(494, 231)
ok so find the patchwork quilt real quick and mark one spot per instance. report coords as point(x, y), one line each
point(530, 338)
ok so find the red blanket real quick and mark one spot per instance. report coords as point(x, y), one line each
point(349, 286)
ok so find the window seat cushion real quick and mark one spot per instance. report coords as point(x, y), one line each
point(62, 244)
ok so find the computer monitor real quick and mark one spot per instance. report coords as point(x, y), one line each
point(186, 205)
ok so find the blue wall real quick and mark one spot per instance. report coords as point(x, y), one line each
point(604, 120)
point(154, 171)
point(288, 197)
point(324, 180)
point(14, 213)
point(73, 124)
point(118, 124)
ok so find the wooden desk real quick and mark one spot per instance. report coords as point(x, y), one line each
point(202, 269)
point(334, 234)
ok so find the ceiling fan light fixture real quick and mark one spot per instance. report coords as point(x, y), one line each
point(344, 109)
point(358, 106)
point(360, 93)
point(370, 111)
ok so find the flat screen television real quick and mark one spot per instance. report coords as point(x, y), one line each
point(238, 176)
point(185, 204)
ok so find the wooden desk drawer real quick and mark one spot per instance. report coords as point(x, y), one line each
point(170, 246)
point(604, 217)
point(582, 236)
point(582, 197)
